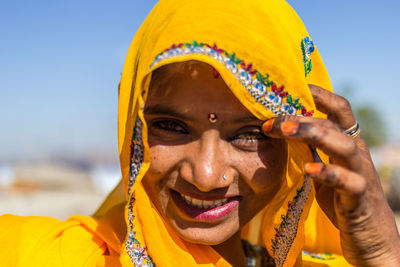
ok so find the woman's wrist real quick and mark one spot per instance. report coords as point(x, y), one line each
point(380, 247)
point(369, 237)
point(388, 257)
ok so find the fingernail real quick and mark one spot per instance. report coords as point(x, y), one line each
point(267, 126)
point(313, 168)
point(289, 127)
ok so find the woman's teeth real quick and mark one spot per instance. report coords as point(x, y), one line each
point(204, 204)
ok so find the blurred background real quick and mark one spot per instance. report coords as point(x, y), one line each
point(61, 61)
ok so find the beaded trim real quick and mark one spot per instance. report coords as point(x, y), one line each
point(137, 153)
point(307, 47)
point(136, 252)
point(260, 87)
point(287, 231)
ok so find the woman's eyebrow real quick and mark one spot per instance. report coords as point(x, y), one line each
point(246, 119)
point(164, 110)
point(159, 109)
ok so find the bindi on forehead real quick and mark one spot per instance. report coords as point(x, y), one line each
point(212, 117)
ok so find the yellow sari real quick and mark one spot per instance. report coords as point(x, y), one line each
point(264, 54)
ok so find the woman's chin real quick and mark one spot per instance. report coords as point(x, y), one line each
point(208, 237)
point(205, 234)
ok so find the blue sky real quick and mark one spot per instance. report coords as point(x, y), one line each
point(60, 64)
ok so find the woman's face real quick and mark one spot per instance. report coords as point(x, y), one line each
point(212, 169)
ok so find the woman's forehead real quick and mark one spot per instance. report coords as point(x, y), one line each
point(191, 79)
point(170, 73)
point(192, 88)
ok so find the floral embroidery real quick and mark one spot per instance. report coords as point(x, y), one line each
point(261, 88)
point(136, 252)
point(320, 256)
point(307, 47)
point(287, 231)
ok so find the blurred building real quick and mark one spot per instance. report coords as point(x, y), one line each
point(55, 188)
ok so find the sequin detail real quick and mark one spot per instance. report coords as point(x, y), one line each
point(137, 153)
point(260, 87)
point(307, 47)
point(136, 252)
point(287, 231)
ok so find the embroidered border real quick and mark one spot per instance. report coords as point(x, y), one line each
point(307, 47)
point(264, 91)
point(137, 153)
point(136, 252)
point(287, 231)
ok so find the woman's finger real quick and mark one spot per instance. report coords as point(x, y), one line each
point(336, 107)
point(350, 185)
point(319, 133)
point(338, 110)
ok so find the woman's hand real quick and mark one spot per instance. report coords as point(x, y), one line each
point(348, 188)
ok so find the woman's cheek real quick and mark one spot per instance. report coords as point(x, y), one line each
point(267, 168)
point(163, 158)
point(264, 178)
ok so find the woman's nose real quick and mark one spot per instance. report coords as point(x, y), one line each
point(208, 166)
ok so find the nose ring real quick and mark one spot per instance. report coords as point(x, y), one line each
point(224, 177)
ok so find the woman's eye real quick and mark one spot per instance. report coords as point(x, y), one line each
point(169, 126)
point(248, 140)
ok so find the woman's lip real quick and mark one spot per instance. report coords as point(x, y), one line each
point(205, 214)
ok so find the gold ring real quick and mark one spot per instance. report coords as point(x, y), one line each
point(353, 131)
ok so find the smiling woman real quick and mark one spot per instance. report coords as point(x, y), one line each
point(229, 156)
point(191, 156)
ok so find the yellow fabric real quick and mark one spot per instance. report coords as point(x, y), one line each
point(266, 33)
point(321, 235)
point(44, 241)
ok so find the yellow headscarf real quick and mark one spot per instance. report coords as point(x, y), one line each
point(266, 57)
point(264, 54)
